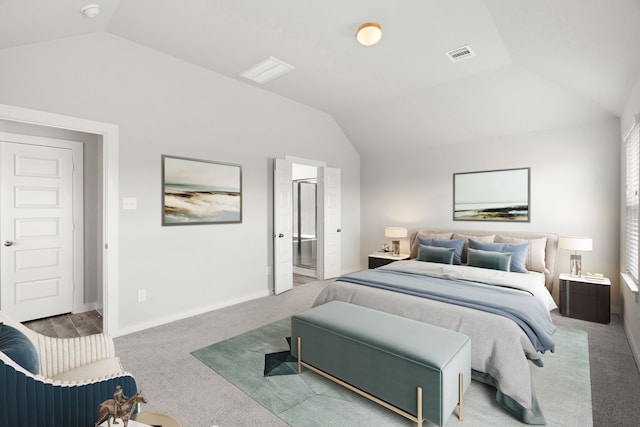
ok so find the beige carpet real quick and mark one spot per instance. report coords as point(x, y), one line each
point(179, 384)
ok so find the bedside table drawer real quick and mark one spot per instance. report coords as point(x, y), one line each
point(379, 259)
point(585, 300)
point(379, 262)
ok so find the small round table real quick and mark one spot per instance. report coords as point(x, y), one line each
point(156, 418)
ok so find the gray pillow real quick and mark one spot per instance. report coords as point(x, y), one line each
point(435, 254)
point(536, 253)
point(456, 244)
point(488, 259)
point(415, 244)
point(519, 251)
point(466, 237)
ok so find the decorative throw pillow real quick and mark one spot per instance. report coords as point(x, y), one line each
point(519, 251)
point(415, 243)
point(436, 254)
point(19, 348)
point(456, 244)
point(488, 238)
point(536, 254)
point(487, 259)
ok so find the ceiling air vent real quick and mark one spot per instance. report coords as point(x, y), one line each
point(267, 70)
point(457, 55)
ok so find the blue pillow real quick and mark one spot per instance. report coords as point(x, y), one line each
point(456, 244)
point(519, 252)
point(19, 348)
point(435, 254)
point(489, 259)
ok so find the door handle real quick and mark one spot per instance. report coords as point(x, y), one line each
point(281, 235)
point(339, 230)
point(8, 243)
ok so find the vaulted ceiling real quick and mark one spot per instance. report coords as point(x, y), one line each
point(538, 64)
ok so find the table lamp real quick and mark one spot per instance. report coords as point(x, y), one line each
point(395, 233)
point(575, 244)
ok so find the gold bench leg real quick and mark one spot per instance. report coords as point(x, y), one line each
point(419, 417)
point(460, 390)
point(299, 354)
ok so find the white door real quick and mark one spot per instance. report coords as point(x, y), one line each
point(36, 230)
point(329, 229)
point(282, 226)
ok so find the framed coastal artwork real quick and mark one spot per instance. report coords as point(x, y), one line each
point(497, 195)
point(200, 192)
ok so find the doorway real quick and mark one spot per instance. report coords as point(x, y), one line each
point(327, 221)
point(305, 218)
point(107, 135)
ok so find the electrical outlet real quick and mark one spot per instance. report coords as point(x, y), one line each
point(130, 203)
point(142, 295)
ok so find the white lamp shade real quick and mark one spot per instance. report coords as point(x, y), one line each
point(575, 243)
point(395, 232)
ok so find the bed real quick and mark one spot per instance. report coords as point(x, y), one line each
point(505, 313)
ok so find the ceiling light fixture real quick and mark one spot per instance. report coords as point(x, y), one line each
point(369, 34)
point(91, 10)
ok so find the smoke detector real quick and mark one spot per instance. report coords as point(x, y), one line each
point(461, 53)
point(91, 10)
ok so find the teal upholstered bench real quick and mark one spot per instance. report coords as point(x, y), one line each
point(419, 371)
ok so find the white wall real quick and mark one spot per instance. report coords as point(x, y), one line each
point(166, 106)
point(630, 304)
point(574, 189)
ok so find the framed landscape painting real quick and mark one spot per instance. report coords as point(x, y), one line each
point(200, 192)
point(498, 195)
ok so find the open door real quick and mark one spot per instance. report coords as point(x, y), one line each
point(282, 226)
point(329, 229)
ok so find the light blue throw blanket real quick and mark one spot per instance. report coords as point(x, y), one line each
point(519, 306)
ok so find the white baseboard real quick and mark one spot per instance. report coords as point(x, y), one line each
point(91, 306)
point(187, 314)
point(633, 344)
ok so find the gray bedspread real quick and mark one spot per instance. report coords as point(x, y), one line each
point(500, 350)
point(519, 306)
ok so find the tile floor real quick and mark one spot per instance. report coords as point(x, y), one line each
point(68, 325)
point(299, 279)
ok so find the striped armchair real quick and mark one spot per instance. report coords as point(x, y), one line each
point(73, 376)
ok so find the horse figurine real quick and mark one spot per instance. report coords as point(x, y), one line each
point(108, 410)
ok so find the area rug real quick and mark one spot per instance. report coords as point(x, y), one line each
point(563, 386)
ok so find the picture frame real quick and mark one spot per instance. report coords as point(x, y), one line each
point(494, 195)
point(198, 191)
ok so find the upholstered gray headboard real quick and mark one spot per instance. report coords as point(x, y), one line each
point(550, 245)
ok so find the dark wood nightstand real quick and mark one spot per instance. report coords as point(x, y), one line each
point(585, 298)
point(378, 259)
